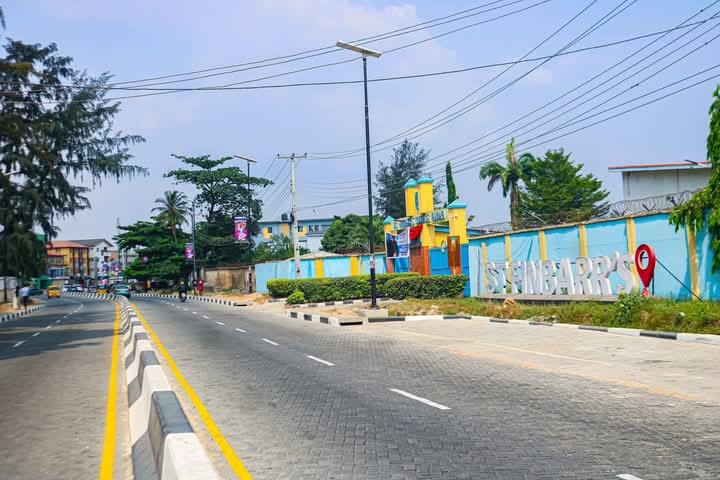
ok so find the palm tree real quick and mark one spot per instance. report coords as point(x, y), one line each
point(509, 177)
point(172, 209)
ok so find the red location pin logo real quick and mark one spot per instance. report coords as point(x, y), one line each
point(645, 269)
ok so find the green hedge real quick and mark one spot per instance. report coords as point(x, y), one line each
point(435, 286)
point(296, 297)
point(334, 288)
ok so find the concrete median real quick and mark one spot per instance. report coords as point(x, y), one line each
point(164, 444)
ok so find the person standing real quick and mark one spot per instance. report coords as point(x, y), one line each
point(201, 286)
point(25, 294)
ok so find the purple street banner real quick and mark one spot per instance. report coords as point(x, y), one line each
point(145, 259)
point(189, 250)
point(241, 228)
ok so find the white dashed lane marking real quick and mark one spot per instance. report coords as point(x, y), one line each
point(206, 317)
point(194, 313)
point(270, 342)
point(420, 399)
point(220, 323)
point(49, 326)
point(18, 343)
point(240, 330)
point(627, 476)
point(324, 362)
point(36, 334)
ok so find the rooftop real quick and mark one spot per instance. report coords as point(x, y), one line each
point(66, 244)
point(91, 242)
point(642, 167)
point(300, 220)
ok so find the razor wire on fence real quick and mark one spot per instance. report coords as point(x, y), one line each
point(618, 209)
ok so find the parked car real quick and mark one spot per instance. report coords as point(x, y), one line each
point(69, 288)
point(34, 292)
point(92, 289)
point(122, 289)
point(53, 292)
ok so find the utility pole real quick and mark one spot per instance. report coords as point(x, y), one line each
point(296, 243)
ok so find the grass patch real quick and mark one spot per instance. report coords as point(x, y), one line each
point(630, 311)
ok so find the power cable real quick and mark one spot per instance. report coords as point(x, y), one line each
point(621, 7)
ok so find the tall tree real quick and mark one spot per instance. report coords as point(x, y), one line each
point(557, 192)
point(450, 183)
point(704, 208)
point(349, 234)
point(54, 141)
point(407, 161)
point(151, 239)
point(509, 177)
point(223, 194)
point(172, 209)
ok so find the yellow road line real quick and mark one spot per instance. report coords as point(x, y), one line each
point(108, 455)
point(230, 455)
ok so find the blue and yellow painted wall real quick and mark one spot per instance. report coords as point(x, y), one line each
point(683, 259)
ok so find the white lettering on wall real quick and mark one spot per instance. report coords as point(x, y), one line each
point(546, 277)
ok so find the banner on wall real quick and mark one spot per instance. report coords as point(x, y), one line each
point(189, 250)
point(397, 245)
point(241, 229)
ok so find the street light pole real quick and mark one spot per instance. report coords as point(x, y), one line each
point(193, 241)
point(365, 52)
point(249, 161)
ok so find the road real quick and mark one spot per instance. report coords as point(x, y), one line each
point(54, 376)
point(299, 399)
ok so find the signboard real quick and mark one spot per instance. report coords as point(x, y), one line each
point(241, 229)
point(189, 250)
point(436, 216)
point(397, 245)
point(585, 276)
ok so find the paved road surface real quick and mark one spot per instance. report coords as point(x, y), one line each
point(302, 400)
point(54, 368)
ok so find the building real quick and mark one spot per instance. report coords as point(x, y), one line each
point(656, 179)
point(75, 260)
point(310, 231)
point(99, 250)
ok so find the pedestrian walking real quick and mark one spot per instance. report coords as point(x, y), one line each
point(25, 293)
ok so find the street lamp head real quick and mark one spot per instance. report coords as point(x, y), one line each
point(366, 52)
point(245, 158)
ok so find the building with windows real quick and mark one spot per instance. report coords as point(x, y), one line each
point(99, 251)
point(647, 180)
point(70, 260)
point(310, 231)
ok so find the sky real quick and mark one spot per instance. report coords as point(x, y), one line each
point(139, 39)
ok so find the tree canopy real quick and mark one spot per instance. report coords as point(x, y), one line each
point(172, 210)
point(450, 184)
point(280, 247)
point(222, 195)
point(509, 176)
point(54, 141)
point(154, 240)
point(556, 192)
point(407, 161)
point(349, 234)
point(704, 208)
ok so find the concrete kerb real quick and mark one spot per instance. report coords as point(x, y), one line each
point(22, 313)
point(164, 444)
point(681, 337)
point(196, 298)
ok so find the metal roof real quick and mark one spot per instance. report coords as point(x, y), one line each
point(641, 167)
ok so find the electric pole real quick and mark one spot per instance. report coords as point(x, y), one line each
point(296, 243)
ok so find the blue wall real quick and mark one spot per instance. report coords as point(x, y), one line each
point(332, 267)
point(672, 273)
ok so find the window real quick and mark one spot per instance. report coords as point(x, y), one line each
point(269, 230)
point(300, 228)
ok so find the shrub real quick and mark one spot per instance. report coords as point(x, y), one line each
point(296, 297)
point(436, 286)
point(281, 287)
point(334, 288)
